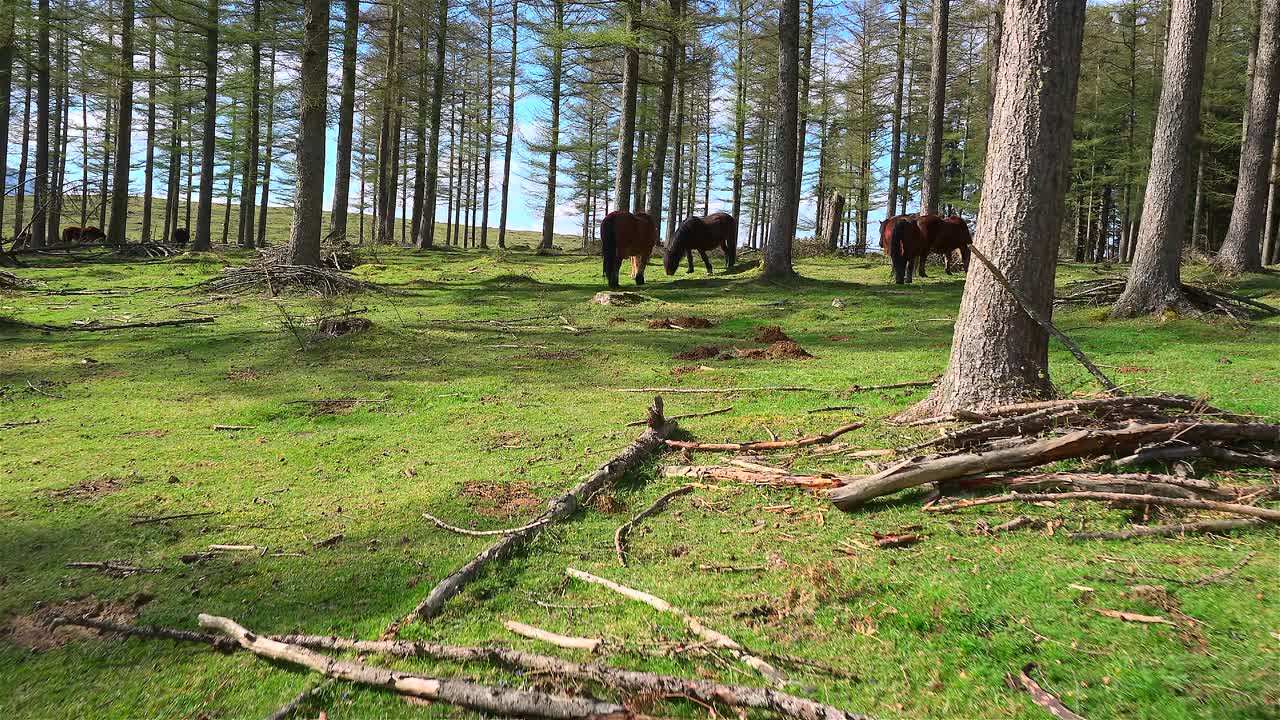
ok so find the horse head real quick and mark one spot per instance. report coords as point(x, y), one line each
point(679, 244)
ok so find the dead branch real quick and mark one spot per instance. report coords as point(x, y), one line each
point(1019, 425)
point(620, 535)
point(714, 637)
point(1211, 526)
point(290, 707)
point(1224, 573)
point(462, 693)
point(768, 444)
point(111, 567)
point(1132, 483)
point(718, 411)
point(1039, 695)
point(717, 391)
point(482, 533)
point(1015, 524)
point(559, 509)
point(1123, 498)
point(1103, 407)
point(148, 631)
point(750, 477)
point(589, 644)
point(1166, 452)
point(225, 428)
point(180, 516)
point(19, 423)
point(94, 327)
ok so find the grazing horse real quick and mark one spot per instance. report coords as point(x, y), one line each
point(623, 235)
point(179, 236)
point(71, 234)
point(946, 235)
point(901, 238)
point(717, 230)
point(92, 234)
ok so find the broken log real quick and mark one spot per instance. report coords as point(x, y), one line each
point(462, 693)
point(1122, 498)
point(767, 444)
point(715, 638)
point(1182, 451)
point(1132, 483)
point(620, 535)
point(751, 477)
point(589, 644)
point(559, 509)
point(1193, 528)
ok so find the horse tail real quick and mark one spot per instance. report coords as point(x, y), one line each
point(609, 242)
point(898, 239)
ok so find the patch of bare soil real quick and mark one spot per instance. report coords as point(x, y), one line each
point(242, 375)
point(780, 350)
point(507, 440)
point(88, 489)
point(339, 326)
point(607, 504)
point(680, 323)
point(156, 433)
point(34, 631)
point(686, 369)
point(332, 407)
point(702, 352)
point(501, 500)
point(770, 334)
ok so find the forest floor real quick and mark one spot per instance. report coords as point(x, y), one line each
point(480, 424)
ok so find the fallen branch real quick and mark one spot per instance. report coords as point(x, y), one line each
point(1135, 617)
point(19, 423)
point(1131, 483)
point(1102, 407)
point(1125, 499)
point(559, 509)
point(716, 638)
point(148, 631)
point(1193, 528)
point(1039, 696)
point(463, 693)
point(591, 645)
point(180, 516)
point(290, 707)
point(93, 327)
point(768, 444)
point(1163, 453)
point(620, 535)
point(752, 477)
point(719, 411)
point(1214, 577)
point(483, 533)
point(1015, 524)
point(111, 567)
point(717, 391)
point(222, 428)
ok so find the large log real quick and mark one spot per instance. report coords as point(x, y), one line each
point(559, 509)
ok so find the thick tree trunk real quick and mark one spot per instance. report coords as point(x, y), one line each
point(308, 200)
point(1240, 249)
point(674, 52)
point(249, 181)
point(427, 229)
point(557, 69)
point(931, 181)
point(895, 146)
point(346, 119)
point(782, 232)
point(268, 147)
point(204, 213)
point(999, 354)
point(1155, 283)
point(149, 168)
point(627, 123)
point(993, 60)
point(511, 124)
point(40, 194)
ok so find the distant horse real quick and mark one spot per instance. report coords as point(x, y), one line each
point(717, 230)
point(623, 235)
point(71, 234)
point(902, 240)
point(179, 237)
point(946, 235)
point(92, 234)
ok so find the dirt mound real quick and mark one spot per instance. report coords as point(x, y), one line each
point(781, 350)
point(771, 334)
point(702, 352)
point(88, 489)
point(339, 326)
point(34, 631)
point(502, 500)
point(679, 323)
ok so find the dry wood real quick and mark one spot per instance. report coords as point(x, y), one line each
point(591, 645)
point(1214, 577)
point(1110, 406)
point(111, 567)
point(559, 509)
point(752, 477)
point(148, 631)
point(1080, 443)
point(90, 327)
point(717, 391)
point(768, 444)
point(1019, 425)
point(1133, 483)
point(220, 428)
point(1015, 524)
point(620, 535)
point(329, 541)
point(323, 401)
point(716, 638)
point(1181, 451)
point(1123, 498)
point(462, 693)
point(180, 516)
point(718, 411)
point(1193, 528)
point(1135, 617)
point(1040, 696)
point(19, 423)
point(483, 533)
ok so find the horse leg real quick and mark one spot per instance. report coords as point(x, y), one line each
point(689, 254)
point(641, 263)
point(911, 262)
point(707, 261)
point(614, 265)
point(899, 269)
point(920, 262)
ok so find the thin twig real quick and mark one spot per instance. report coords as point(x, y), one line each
point(620, 535)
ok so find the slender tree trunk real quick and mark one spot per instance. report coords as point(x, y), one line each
point(204, 213)
point(993, 60)
point(998, 353)
point(174, 182)
point(511, 124)
point(56, 163)
point(740, 114)
point(8, 13)
point(149, 168)
point(931, 181)
point(782, 232)
point(21, 191)
point(232, 147)
point(670, 58)
point(346, 119)
point(427, 231)
point(268, 148)
point(1270, 251)
point(1240, 249)
point(627, 123)
point(802, 124)
point(40, 195)
point(249, 173)
point(420, 136)
point(557, 69)
point(1197, 206)
point(676, 162)
point(308, 199)
point(895, 150)
point(488, 125)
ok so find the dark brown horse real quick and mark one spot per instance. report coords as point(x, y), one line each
point(92, 234)
point(717, 230)
point(905, 245)
point(945, 236)
point(623, 235)
point(71, 234)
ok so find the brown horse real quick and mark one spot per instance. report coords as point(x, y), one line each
point(71, 234)
point(906, 246)
point(623, 235)
point(946, 235)
point(92, 234)
point(717, 230)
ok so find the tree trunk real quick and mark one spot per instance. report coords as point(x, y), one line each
point(1155, 283)
point(488, 126)
point(427, 230)
point(1270, 251)
point(999, 354)
point(895, 150)
point(674, 52)
point(40, 195)
point(149, 169)
point(420, 137)
point(204, 213)
point(8, 13)
point(677, 171)
point(511, 125)
point(627, 121)
point(557, 68)
point(21, 190)
point(993, 60)
point(802, 123)
point(346, 119)
point(1240, 249)
point(268, 146)
point(832, 215)
point(249, 181)
point(308, 199)
point(782, 232)
point(739, 113)
point(931, 181)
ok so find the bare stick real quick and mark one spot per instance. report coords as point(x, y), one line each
point(1194, 528)
point(1126, 499)
point(591, 645)
point(620, 535)
point(752, 477)
point(111, 567)
point(718, 391)
point(223, 428)
point(1043, 322)
point(121, 326)
point(147, 631)
point(714, 637)
point(1214, 577)
point(718, 411)
point(463, 693)
point(1040, 696)
point(559, 509)
point(482, 533)
point(148, 521)
point(768, 444)
point(19, 423)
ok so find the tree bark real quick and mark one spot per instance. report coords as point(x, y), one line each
point(40, 193)
point(427, 229)
point(1241, 247)
point(627, 122)
point(553, 153)
point(802, 123)
point(931, 180)
point(1155, 281)
point(895, 149)
point(782, 231)
point(308, 200)
point(268, 146)
point(204, 212)
point(8, 14)
point(677, 172)
point(249, 173)
point(149, 171)
point(674, 52)
point(346, 119)
point(20, 194)
point(488, 126)
point(1270, 250)
point(999, 354)
point(740, 114)
point(511, 124)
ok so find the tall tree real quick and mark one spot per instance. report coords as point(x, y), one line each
point(557, 71)
point(1241, 247)
point(40, 195)
point(895, 143)
point(998, 353)
point(249, 173)
point(782, 231)
point(346, 118)
point(308, 199)
point(511, 124)
point(427, 229)
point(627, 126)
point(1155, 283)
point(488, 122)
point(671, 55)
point(739, 110)
point(204, 212)
point(268, 147)
point(8, 42)
point(149, 165)
point(931, 181)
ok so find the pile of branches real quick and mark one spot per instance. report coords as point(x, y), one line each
point(1107, 290)
point(335, 254)
point(151, 250)
point(277, 277)
point(9, 281)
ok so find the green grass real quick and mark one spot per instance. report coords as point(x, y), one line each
point(929, 631)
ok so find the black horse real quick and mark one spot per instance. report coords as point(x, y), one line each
point(717, 230)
